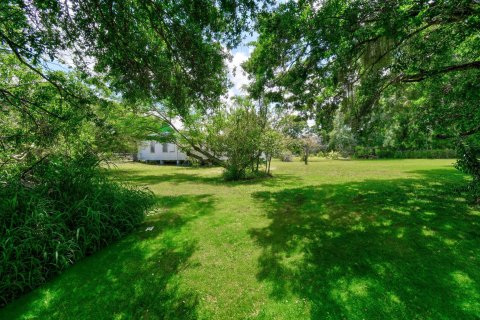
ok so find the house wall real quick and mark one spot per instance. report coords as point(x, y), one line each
point(172, 154)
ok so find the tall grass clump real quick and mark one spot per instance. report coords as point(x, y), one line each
point(56, 213)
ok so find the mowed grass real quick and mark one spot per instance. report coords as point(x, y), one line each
point(378, 239)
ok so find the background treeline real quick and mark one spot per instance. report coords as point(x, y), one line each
point(383, 153)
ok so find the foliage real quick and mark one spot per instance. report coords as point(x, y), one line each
point(69, 210)
point(341, 137)
point(468, 163)
point(165, 52)
point(310, 143)
point(56, 206)
point(37, 120)
point(238, 137)
point(316, 54)
point(271, 144)
point(286, 156)
point(291, 126)
point(129, 127)
point(391, 153)
point(238, 140)
point(333, 155)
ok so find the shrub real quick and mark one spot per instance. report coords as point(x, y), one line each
point(232, 173)
point(469, 163)
point(364, 153)
point(65, 210)
point(286, 156)
point(334, 155)
point(342, 138)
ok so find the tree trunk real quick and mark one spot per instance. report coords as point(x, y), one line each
point(266, 164)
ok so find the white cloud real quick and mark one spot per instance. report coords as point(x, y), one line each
point(236, 74)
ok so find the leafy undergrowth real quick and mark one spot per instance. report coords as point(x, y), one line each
point(66, 210)
point(381, 239)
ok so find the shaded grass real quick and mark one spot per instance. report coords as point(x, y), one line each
point(192, 177)
point(123, 281)
point(331, 240)
point(373, 249)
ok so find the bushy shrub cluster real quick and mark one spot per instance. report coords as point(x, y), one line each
point(386, 153)
point(56, 213)
point(229, 175)
point(286, 156)
point(333, 155)
point(468, 162)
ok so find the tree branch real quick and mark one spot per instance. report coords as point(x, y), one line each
point(207, 154)
point(462, 135)
point(14, 47)
point(422, 75)
point(25, 101)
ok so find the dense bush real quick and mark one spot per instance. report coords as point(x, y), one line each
point(286, 156)
point(333, 155)
point(364, 153)
point(56, 213)
point(468, 162)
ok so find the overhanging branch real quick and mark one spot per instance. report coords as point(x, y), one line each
point(192, 144)
point(422, 75)
point(461, 135)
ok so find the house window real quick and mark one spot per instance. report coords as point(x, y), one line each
point(152, 146)
point(165, 147)
point(172, 149)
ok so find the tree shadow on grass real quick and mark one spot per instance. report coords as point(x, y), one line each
point(181, 178)
point(377, 249)
point(136, 278)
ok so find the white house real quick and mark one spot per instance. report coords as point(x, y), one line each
point(152, 151)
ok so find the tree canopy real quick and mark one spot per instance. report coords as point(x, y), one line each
point(169, 52)
point(318, 56)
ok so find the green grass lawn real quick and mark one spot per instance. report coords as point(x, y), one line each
point(380, 239)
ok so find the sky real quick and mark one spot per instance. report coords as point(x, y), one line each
point(236, 74)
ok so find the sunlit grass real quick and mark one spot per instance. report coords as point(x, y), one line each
point(332, 240)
